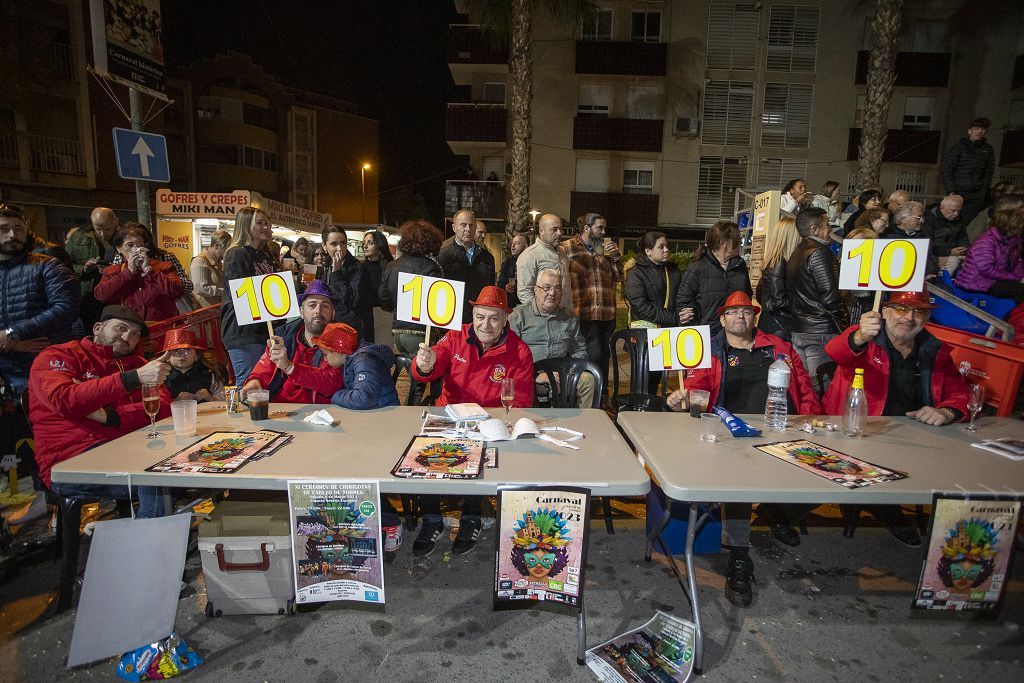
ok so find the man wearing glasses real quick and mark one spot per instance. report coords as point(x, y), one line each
point(908, 224)
point(907, 372)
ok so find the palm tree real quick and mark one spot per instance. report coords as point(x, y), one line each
point(885, 34)
point(511, 23)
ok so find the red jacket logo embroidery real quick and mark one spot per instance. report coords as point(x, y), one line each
point(498, 373)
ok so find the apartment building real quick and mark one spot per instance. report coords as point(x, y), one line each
point(658, 110)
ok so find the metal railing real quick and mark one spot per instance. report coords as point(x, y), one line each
point(56, 155)
point(9, 150)
point(63, 60)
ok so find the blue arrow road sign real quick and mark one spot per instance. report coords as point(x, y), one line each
point(141, 156)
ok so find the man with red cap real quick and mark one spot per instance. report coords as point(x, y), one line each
point(907, 372)
point(472, 362)
point(293, 368)
point(738, 381)
point(366, 368)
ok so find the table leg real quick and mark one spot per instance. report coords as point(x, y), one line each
point(71, 521)
point(658, 528)
point(168, 500)
point(691, 579)
point(581, 637)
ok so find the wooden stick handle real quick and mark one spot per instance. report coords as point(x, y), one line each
point(270, 329)
point(426, 335)
point(682, 380)
point(878, 301)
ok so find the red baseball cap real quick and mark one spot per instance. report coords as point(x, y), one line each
point(492, 297)
point(736, 300)
point(181, 338)
point(339, 338)
point(911, 299)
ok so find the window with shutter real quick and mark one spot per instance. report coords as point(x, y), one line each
point(792, 38)
point(727, 111)
point(786, 119)
point(773, 174)
point(732, 35)
point(917, 113)
point(717, 181)
point(638, 178)
point(646, 27)
point(851, 183)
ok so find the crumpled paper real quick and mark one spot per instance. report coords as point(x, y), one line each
point(320, 417)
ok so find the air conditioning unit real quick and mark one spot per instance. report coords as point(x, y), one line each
point(686, 125)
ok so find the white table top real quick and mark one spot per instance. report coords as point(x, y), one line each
point(366, 445)
point(733, 471)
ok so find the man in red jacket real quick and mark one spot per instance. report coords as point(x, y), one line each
point(738, 381)
point(85, 393)
point(907, 372)
point(293, 368)
point(473, 362)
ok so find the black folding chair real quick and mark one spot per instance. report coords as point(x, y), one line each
point(568, 371)
point(639, 398)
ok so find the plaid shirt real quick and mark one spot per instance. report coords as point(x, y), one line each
point(593, 280)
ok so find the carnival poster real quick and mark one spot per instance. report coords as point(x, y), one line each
point(542, 542)
point(969, 551)
point(336, 541)
point(219, 453)
point(660, 651)
point(436, 457)
point(843, 469)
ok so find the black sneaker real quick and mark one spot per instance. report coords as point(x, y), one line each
point(426, 539)
point(785, 534)
point(906, 534)
point(738, 579)
point(469, 532)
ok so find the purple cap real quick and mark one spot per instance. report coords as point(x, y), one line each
point(316, 288)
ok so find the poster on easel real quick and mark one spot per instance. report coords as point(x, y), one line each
point(336, 542)
point(542, 544)
point(969, 552)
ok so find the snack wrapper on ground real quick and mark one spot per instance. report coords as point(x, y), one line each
point(157, 661)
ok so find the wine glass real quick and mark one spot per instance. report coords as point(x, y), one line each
point(508, 396)
point(151, 402)
point(975, 402)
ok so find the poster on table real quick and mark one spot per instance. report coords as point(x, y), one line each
point(222, 452)
point(127, 43)
point(336, 542)
point(660, 650)
point(969, 553)
point(843, 469)
point(264, 298)
point(430, 301)
point(887, 265)
point(542, 544)
point(440, 457)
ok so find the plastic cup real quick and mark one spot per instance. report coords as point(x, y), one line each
point(183, 413)
point(710, 424)
point(259, 404)
point(288, 263)
point(699, 400)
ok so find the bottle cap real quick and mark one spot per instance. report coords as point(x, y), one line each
point(858, 378)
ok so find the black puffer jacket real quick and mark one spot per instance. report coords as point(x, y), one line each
point(945, 234)
point(39, 297)
point(348, 287)
point(476, 275)
point(967, 168)
point(387, 295)
point(242, 262)
point(645, 291)
point(706, 285)
point(774, 299)
point(812, 283)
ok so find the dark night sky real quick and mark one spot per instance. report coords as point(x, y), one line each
point(387, 56)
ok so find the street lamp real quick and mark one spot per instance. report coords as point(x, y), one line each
point(362, 186)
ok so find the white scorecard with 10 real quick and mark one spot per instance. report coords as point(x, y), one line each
point(679, 348)
point(263, 298)
point(889, 265)
point(430, 301)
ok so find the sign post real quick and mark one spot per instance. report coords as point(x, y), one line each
point(765, 215)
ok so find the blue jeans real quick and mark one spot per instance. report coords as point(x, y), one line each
point(243, 360)
point(151, 503)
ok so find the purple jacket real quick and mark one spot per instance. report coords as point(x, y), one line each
point(991, 258)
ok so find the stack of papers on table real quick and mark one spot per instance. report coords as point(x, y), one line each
point(463, 412)
point(224, 452)
point(1006, 447)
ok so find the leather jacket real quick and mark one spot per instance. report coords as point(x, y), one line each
point(774, 299)
point(812, 283)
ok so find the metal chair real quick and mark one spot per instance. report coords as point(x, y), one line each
point(417, 390)
point(639, 398)
point(568, 371)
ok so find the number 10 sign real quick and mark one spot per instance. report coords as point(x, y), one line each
point(679, 348)
point(430, 301)
point(889, 265)
point(264, 298)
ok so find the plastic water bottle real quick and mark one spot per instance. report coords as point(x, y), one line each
point(777, 405)
point(856, 412)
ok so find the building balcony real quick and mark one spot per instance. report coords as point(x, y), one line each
point(627, 135)
point(1018, 72)
point(470, 44)
point(905, 146)
point(917, 69)
point(624, 58)
point(1012, 150)
point(474, 122)
point(56, 155)
point(9, 149)
point(622, 209)
point(485, 198)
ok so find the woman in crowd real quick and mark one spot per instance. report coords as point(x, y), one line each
point(246, 257)
point(140, 283)
point(876, 220)
point(794, 195)
point(866, 200)
point(420, 241)
point(771, 288)
point(299, 252)
point(192, 376)
point(652, 283)
point(830, 201)
point(859, 301)
point(207, 269)
point(377, 255)
point(344, 276)
point(159, 254)
point(715, 271)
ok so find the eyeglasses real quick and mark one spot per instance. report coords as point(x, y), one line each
point(547, 289)
point(901, 311)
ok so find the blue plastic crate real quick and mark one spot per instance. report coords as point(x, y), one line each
point(949, 315)
point(708, 540)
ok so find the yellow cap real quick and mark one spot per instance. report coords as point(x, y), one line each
point(858, 378)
